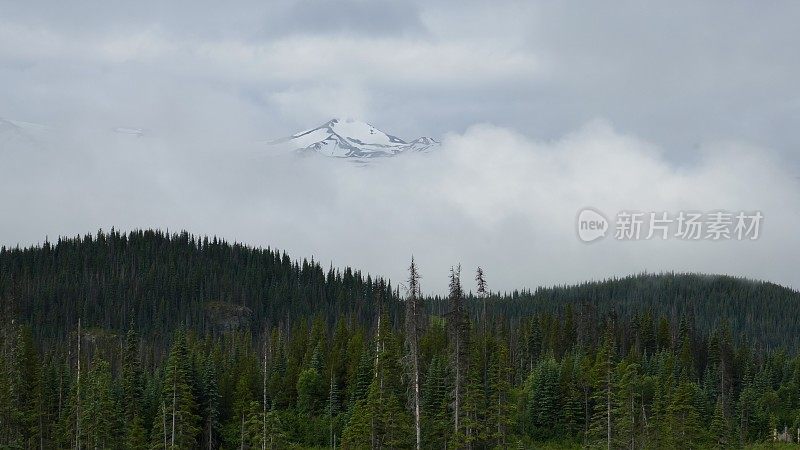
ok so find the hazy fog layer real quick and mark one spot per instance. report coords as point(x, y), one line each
point(489, 196)
point(543, 107)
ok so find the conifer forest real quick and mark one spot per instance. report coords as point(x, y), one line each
point(151, 340)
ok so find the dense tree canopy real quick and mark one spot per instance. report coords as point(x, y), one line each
point(196, 343)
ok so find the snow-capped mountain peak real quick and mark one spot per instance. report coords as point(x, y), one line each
point(350, 138)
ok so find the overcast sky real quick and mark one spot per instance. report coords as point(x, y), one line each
point(543, 108)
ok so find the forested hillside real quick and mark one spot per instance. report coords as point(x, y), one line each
point(762, 313)
point(157, 282)
point(150, 340)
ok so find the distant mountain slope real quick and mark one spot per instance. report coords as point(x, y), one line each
point(761, 312)
point(348, 138)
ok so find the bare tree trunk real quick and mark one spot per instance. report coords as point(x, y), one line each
point(378, 373)
point(413, 325)
point(644, 422)
point(378, 342)
point(164, 421)
point(60, 390)
point(608, 404)
point(722, 385)
point(457, 398)
point(241, 439)
point(417, 422)
point(372, 430)
point(585, 411)
point(41, 433)
point(331, 436)
point(481, 291)
point(500, 434)
point(78, 406)
point(174, 405)
point(633, 424)
point(264, 400)
point(458, 336)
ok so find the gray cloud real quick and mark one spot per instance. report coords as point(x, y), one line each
point(699, 104)
point(490, 196)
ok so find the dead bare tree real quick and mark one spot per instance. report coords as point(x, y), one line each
point(458, 327)
point(414, 328)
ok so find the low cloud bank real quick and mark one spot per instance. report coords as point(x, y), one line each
point(488, 197)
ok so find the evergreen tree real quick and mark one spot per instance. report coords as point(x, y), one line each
point(211, 400)
point(500, 404)
point(380, 420)
point(8, 425)
point(29, 393)
point(541, 363)
point(475, 402)
point(11, 387)
point(242, 401)
point(435, 394)
point(263, 430)
point(132, 392)
point(683, 421)
point(277, 377)
point(572, 402)
point(627, 409)
point(179, 407)
point(310, 392)
point(664, 387)
point(542, 394)
point(99, 412)
point(604, 400)
point(363, 377)
point(720, 428)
